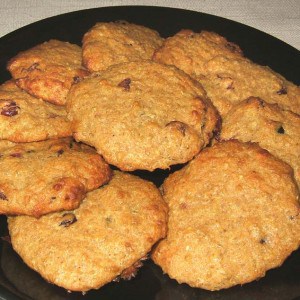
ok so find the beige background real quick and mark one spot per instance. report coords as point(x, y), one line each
point(280, 18)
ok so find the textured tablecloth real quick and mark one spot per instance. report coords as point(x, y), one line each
point(280, 18)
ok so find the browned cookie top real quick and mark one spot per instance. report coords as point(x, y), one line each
point(233, 215)
point(225, 74)
point(48, 70)
point(142, 115)
point(106, 44)
point(273, 128)
point(190, 50)
point(24, 118)
point(42, 177)
point(229, 81)
point(114, 227)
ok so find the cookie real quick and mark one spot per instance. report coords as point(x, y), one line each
point(43, 177)
point(103, 240)
point(142, 115)
point(48, 70)
point(229, 81)
point(274, 129)
point(233, 215)
point(106, 44)
point(190, 50)
point(24, 118)
point(225, 74)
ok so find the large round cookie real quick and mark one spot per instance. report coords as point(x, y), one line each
point(106, 44)
point(274, 129)
point(48, 70)
point(233, 215)
point(42, 177)
point(142, 115)
point(106, 237)
point(24, 118)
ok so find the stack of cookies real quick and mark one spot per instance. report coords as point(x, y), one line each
point(130, 100)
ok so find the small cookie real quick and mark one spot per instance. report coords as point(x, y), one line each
point(189, 50)
point(24, 118)
point(274, 129)
point(229, 81)
point(106, 44)
point(104, 239)
point(42, 177)
point(48, 70)
point(142, 115)
point(233, 215)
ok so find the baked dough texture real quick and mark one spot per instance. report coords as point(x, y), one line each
point(142, 115)
point(226, 75)
point(42, 177)
point(113, 229)
point(107, 44)
point(24, 118)
point(189, 50)
point(48, 70)
point(233, 215)
point(230, 81)
point(274, 129)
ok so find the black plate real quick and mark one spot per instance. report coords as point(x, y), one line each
point(19, 282)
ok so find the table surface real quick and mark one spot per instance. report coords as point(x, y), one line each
point(276, 17)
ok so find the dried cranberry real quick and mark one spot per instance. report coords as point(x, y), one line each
point(10, 108)
point(280, 130)
point(68, 219)
point(16, 154)
point(60, 152)
point(2, 196)
point(125, 84)
point(76, 79)
point(282, 91)
point(263, 241)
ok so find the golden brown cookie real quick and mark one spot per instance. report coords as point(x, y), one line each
point(142, 115)
point(106, 44)
point(230, 81)
point(190, 50)
point(42, 177)
point(24, 118)
point(104, 239)
point(274, 129)
point(225, 74)
point(48, 70)
point(233, 215)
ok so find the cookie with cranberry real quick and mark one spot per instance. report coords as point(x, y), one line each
point(106, 44)
point(142, 115)
point(24, 118)
point(226, 75)
point(229, 81)
point(103, 240)
point(42, 177)
point(233, 215)
point(48, 70)
point(273, 128)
